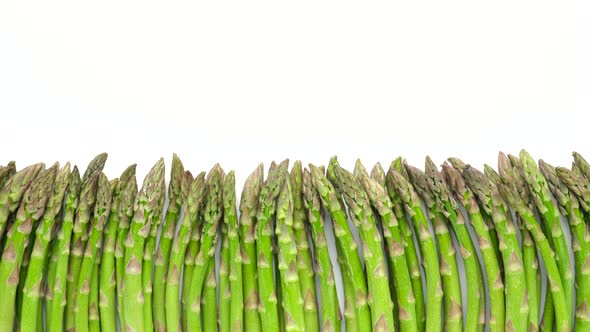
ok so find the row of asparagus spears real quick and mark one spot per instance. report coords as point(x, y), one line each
point(453, 249)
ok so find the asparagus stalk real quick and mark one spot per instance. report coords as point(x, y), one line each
point(225, 294)
point(550, 212)
point(379, 297)
point(474, 319)
point(348, 249)
point(287, 261)
point(248, 204)
point(512, 174)
point(179, 245)
point(209, 237)
point(268, 307)
point(95, 165)
point(330, 311)
point(208, 300)
point(147, 205)
point(189, 265)
point(447, 257)
point(12, 194)
point(410, 245)
point(514, 277)
point(30, 211)
point(32, 291)
point(148, 258)
point(6, 173)
point(431, 263)
point(124, 188)
point(490, 262)
point(304, 259)
point(562, 318)
point(162, 259)
point(395, 246)
point(125, 215)
point(77, 200)
point(559, 180)
point(235, 254)
point(582, 165)
point(101, 213)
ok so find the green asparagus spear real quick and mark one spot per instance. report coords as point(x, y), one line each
point(330, 311)
point(490, 262)
point(512, 174)
point(224, 302)
point(562, 318)
point(348, 249)
point(550, 213)
point(120, 203)
point(91, 252)
point(179, 245)
point(235, 254)
point(95, 165)
point(13, 191)
point(168, 231)
point(30, 211)
point(148, 203)
point(60, 252)
point(268, 308)
point(379, 297)
point(582, 165)
point(410, 246)
point(32, 291)
point(209, 237)
point(208, 300)
point(559, 180)
point(514, 277)
point(447, 257)
point(304, 260)
point(248, 204)
point(395, 246)
point(431, 263)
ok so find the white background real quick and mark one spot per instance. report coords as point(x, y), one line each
point(249, 82)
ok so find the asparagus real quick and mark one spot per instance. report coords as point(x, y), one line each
point(14, 189)
point(175, 198)
point(101, 213)
point(410, 245)
point(431, 263)
point(379, 298)
point(60, 252)
point(447, 257)
point(209, 237)
point(304, 259)
point(148, 257)
point(514, 277)
point(330, 312)
point(348, 250)
point(562, 318)
point(30, 211)
point(208, 300)
point(248, 203)
point(95, 165)
point(582, 165)
point(559, 180)
point(147, 205)
point(235, 254)
point(550, 213)
point(6, 173)
point(224, 302)
point(474, 288)
point(125, 215)
point(124, 188)
point(32, 290)
point(268, 307)
point(189, 265)
point(512, 174)
point(395, 245)
point(179, 245)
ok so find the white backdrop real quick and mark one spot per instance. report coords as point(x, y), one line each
point(249, 82)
